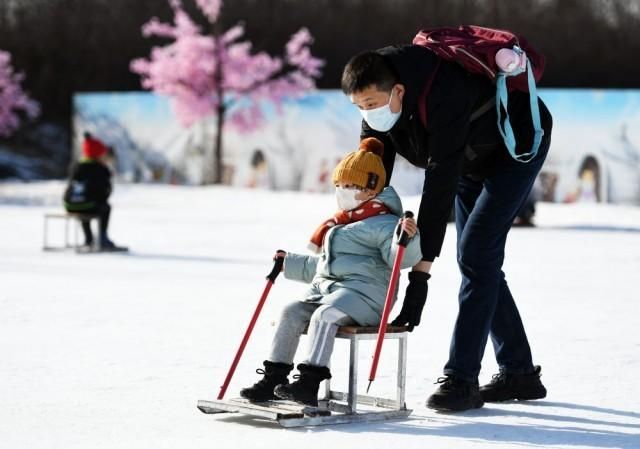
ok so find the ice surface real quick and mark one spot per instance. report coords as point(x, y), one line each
point(113, 350)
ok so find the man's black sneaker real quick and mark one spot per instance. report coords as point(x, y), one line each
point(106, 244)
point(506, 386)
point(455, 395)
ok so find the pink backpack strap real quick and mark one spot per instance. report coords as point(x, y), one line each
point(422, 99)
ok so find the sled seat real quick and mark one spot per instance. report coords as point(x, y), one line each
point(70, 219)
point(370, 330)
point(336, 407)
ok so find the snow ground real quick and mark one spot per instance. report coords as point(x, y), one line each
point(113, 351)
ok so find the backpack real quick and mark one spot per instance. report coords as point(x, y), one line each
point(475, 49)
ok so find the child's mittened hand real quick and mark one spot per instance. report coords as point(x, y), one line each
point(409, 226)
point(280, 254)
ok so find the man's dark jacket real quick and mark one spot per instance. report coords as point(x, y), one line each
point(451, 145)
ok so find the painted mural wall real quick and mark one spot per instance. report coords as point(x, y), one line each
point(595, 150)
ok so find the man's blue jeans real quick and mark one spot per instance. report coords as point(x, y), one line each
point(485, 211)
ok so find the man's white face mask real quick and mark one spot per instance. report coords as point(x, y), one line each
point(382, 118)
point(346, 198)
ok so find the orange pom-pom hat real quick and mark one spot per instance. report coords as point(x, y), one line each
point(364, 167)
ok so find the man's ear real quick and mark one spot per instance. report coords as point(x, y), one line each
point(400, 90)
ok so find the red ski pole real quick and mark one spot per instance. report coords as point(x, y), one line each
point(403, 240)
point(271, 278)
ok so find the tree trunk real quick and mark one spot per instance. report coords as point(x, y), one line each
point(220, 109)
point(217, 149)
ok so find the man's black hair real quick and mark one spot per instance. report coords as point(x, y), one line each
point(366, 69)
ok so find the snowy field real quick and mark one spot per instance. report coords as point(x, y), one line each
point(114, 351)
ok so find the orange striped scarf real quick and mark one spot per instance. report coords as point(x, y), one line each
point(368, 209)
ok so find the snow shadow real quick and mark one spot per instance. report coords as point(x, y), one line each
point(554, 428)
point(191, 258)
point(29, 201)
point(593, 228)
point(591, 408)
point(252, 421)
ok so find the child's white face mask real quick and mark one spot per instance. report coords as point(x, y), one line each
point(346, 198)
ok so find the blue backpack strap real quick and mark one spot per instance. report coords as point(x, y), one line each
point(502, 99)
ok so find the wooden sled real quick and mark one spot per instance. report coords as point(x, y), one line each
point(336, 407)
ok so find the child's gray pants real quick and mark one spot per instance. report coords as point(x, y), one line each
point(323, 321)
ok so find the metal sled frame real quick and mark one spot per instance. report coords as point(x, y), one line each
point(68, 243)
point(336, 407)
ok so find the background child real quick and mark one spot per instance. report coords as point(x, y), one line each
point(349, 276)
point(89, 189)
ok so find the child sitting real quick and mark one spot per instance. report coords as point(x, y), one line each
point(349, 276)
point(89, 189)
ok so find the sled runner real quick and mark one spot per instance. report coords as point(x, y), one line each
point(336, 407)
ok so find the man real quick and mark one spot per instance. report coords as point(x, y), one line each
point(465, 160)
point(89, 189)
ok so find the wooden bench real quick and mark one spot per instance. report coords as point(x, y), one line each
point(336, 407)
point(68, 217)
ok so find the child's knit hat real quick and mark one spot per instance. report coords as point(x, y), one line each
point(364, 167)
point(92, 148)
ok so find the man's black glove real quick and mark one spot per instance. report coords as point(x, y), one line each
point(414, 300)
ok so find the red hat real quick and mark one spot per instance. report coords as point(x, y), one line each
point(92, 148)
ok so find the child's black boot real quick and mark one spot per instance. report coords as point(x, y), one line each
point(305, 389)
point(274, 374)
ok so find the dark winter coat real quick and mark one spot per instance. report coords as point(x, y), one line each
point(89, 186)
point(450, 145)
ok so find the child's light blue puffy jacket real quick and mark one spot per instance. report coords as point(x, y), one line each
point(352, 271)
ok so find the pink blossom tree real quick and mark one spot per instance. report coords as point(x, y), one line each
point(215, 73)
point(14, 102)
